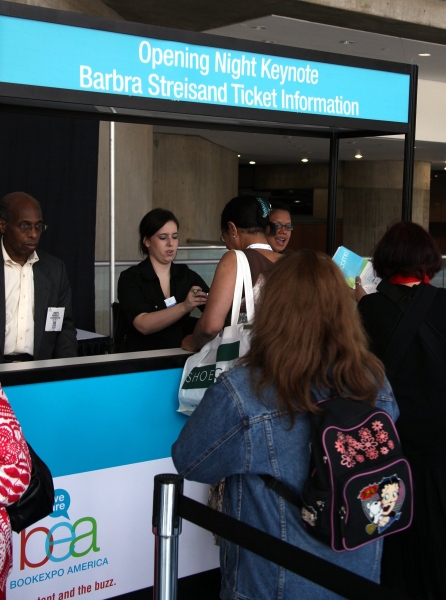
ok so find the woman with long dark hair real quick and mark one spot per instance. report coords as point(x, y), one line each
point(407, 258)
point(157, 296)
point(307, 341)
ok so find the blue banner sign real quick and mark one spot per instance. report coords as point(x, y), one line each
point(73, 58)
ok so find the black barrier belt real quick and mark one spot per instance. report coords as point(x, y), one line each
point(307, 565)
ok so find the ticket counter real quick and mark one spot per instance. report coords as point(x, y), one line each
point(105, 426)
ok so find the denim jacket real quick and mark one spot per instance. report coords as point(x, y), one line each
point(233, 435)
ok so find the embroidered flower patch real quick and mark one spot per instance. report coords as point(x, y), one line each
point(369, 445)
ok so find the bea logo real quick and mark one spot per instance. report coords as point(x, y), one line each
point(64, 540)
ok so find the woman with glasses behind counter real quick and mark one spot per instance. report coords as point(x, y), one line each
point(157, 296)
point(278, 232)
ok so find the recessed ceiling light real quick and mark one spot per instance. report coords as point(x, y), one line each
point(270, 41)
point(305, 160)
point(252, 162)
point(258, 27)
point(358, 154)
point(296, 201)
point(346, 42)
point(239, 155)
point(424, 54)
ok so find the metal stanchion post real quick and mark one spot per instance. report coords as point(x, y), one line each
point(166, 526)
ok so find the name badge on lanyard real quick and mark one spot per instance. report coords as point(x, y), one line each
point(170, 301)
point(54, 319)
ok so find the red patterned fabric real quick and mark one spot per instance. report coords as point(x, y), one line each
point(15, 473)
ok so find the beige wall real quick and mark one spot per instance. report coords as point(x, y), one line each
point(133, 187)
point(373, 199)
point(194, 178)
point(320, 203)
point(431, 116)
point(133, 198)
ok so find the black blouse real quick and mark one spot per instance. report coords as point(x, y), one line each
point(139, 291)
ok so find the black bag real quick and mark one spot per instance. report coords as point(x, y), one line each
point(37, 502)
point(360, 484)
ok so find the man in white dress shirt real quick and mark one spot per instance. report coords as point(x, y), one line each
point(36, 321)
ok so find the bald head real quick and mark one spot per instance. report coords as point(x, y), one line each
point(15, 200)
point(21, 225)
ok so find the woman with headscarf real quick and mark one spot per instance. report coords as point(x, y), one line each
point(243, 223)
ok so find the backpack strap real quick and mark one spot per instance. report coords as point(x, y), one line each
point(282, 490)
point(409, 323)
point(431, 337)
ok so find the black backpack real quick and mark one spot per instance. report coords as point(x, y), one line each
point(360, 484)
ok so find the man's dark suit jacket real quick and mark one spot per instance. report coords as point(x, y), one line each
point(51, 289)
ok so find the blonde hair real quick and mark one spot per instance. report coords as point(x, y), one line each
point(306, 332)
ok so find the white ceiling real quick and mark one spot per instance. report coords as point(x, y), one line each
point(270, 149)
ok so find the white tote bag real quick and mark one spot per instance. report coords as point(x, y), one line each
point(222, 353)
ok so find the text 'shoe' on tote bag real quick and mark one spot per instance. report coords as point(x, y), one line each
point(221, 354)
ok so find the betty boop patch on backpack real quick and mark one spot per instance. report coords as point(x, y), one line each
point(382, 503)
point(360, 484)
point(360, 487)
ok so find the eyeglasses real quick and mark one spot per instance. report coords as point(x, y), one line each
point(27, 227)
point(277, 226)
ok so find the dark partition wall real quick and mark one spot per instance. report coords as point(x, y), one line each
point(56, 161)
